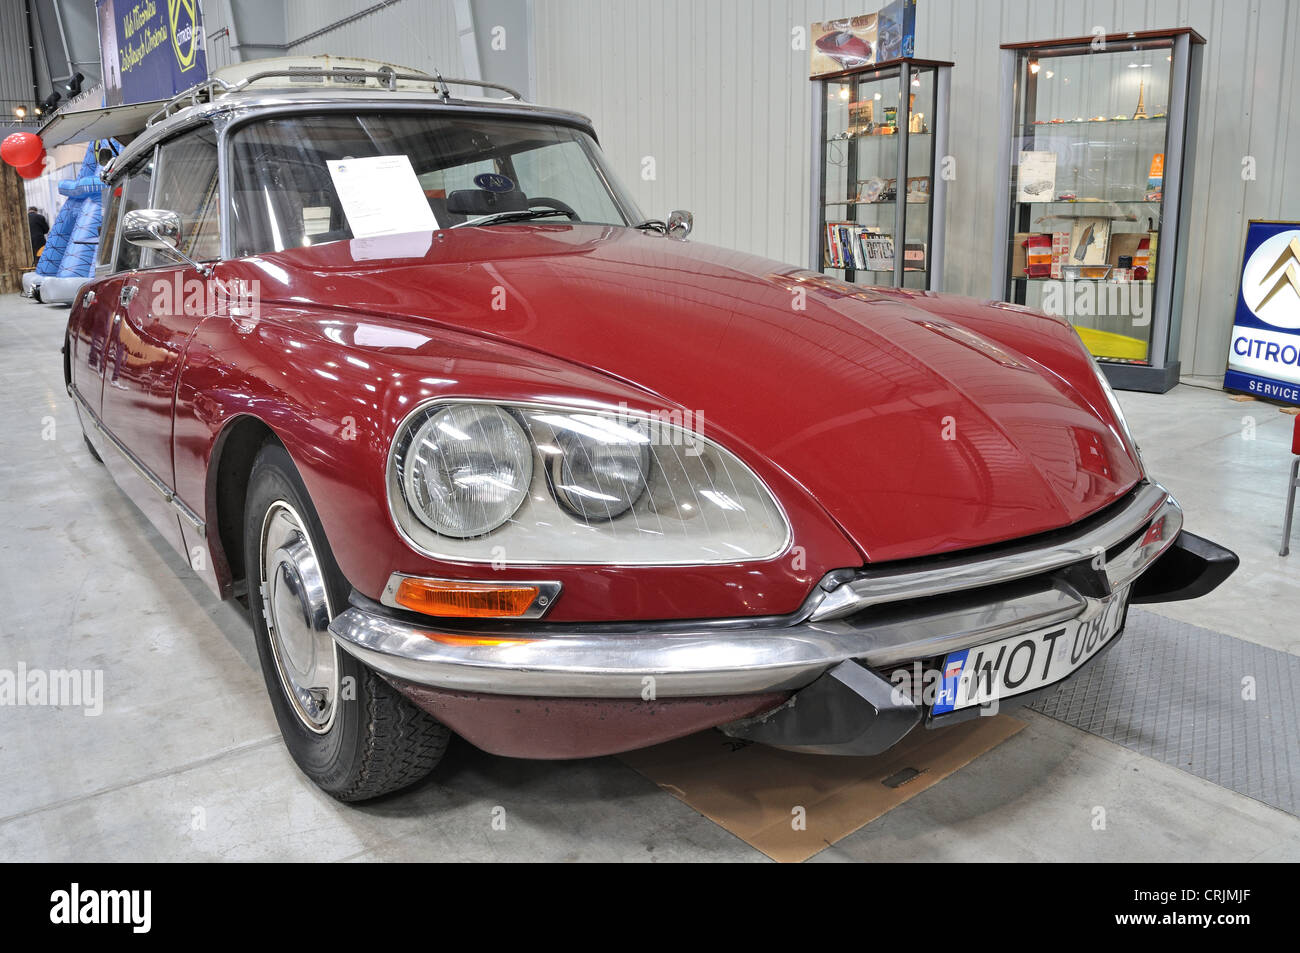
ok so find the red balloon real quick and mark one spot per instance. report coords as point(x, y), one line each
point(21, 149)
point(33, 170)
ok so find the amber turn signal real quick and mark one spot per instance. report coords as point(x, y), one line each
point(465, 600)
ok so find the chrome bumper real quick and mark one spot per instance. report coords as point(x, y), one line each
point(876, 616)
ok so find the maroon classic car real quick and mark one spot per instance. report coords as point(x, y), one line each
point(484, 450)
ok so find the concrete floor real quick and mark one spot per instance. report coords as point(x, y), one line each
point(186, 762)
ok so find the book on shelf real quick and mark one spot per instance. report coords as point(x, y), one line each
point(846, 245)
point(831, 254)
point(846, 234)
point(878, 252)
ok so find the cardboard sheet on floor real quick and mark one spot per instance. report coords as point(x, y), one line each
point(754, 791)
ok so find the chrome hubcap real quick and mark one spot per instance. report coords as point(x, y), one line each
point(298, 615)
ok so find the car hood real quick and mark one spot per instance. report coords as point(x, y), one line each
point(921, 423)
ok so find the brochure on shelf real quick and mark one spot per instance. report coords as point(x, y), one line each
point(1036, 180)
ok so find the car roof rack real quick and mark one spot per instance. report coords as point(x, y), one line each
point(386, 77)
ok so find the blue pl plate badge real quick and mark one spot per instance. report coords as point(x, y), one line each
point(945, 699)
point(494, 182)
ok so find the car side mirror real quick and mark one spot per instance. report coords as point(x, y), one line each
point(152, 228)
point(161, 229)
point(680, 223)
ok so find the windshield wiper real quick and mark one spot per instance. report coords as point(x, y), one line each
point(656, 224)
point(514, 215)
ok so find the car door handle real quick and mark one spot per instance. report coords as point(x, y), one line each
point(127, 294)
point(88, 299)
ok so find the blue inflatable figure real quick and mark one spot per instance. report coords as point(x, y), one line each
point(68, 259)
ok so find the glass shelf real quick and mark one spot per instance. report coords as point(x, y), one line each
point(1049, 124)
point(1108, 281)
point(873, 137)
point(861, 202)
point(1086, 202)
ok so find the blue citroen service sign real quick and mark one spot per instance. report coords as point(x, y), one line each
point(1264, 355)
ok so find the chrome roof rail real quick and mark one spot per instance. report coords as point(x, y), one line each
point(210, 89)
point(389, 78)
point(509, 90)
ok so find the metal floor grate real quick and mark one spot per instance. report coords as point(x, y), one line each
point(1173, 691)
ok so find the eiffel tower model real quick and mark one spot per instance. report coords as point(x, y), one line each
point(1141, 111)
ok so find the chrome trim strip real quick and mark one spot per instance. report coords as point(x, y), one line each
point(189, 515)
point(604, 664)
point(873, 586)
point(547, 592)
point(739, 656)
point(159, 486)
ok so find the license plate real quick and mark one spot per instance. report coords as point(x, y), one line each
point(1022, 663)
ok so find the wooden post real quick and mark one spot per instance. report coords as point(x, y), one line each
point(15, 237)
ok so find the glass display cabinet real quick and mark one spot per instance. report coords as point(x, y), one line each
point(1098, 137)
point(877, 202)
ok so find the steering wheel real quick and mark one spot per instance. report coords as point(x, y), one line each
point(547, 202)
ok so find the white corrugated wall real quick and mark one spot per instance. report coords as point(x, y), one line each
point(417, 33)
point(216, 36)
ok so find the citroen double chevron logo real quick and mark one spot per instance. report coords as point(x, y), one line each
point(1286, 277)
point(183, 18)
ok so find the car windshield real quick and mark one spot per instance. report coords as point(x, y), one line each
point(283, 190)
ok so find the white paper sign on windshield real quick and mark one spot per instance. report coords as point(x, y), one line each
point(381, 196)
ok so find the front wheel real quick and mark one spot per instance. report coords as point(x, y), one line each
point(348, 730)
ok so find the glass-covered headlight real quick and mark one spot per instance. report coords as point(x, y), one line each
point(466, 469)
point(501, 483)
point(602, 466)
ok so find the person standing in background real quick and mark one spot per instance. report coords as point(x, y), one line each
point(39, 228)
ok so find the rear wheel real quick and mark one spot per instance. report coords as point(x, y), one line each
point(348, 730)
point(91, 447)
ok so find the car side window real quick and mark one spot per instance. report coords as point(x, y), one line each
point(112, 198)
point(135, 195)
point(186, 183)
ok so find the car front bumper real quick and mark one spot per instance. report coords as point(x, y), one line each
point(872, 618)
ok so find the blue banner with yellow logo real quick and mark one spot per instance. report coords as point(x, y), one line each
point(150, 49)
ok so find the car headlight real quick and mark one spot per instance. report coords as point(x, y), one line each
point(467, 469)
point(522, 483)
point(601, 469)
